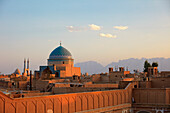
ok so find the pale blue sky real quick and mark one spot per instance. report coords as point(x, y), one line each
point(33, 28)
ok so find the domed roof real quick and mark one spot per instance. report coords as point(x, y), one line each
point(60, 52)
point(17, 71)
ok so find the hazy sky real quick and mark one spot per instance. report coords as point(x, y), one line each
point(98, 30)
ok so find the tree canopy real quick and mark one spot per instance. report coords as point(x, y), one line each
point(146, 65)
point(154, 64)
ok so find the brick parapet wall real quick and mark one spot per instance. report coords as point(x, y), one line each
point(66, 102)
point(152, 95)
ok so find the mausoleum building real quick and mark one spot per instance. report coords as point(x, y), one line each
point(60, 64)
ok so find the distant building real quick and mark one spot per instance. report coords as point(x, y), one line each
point(116, 75)
point(152, 71)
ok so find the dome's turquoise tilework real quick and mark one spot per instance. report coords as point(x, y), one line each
point(60, 52)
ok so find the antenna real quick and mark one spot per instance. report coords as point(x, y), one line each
point(60, 42)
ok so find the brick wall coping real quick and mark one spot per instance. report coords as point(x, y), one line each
point(71, 94)
point(109, 108)
point(68, 94)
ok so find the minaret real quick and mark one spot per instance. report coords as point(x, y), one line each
point(28, 64)
point(24, 65)
point(28, 67)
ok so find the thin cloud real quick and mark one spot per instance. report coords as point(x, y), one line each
point(121, 27)
point(70, 28)
point(107, 35)
point(94, 27)
point(75, 29)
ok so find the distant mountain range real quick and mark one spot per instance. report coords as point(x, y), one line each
point(132, 64)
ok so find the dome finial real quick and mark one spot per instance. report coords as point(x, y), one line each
point(60, 42)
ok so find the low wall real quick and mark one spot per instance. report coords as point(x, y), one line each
point(102, 85)
point(151, 100)
point(123, 84)
point(21, 95)
point(66, 103)
point(5, 84)
point(62, 85)
point(152, 95)
point(62, 90)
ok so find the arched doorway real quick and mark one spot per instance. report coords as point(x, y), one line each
point(46, 73)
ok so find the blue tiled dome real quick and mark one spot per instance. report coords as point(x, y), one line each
point(60, 52)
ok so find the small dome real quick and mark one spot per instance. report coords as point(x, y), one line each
point(17, 71)
point(60, 52)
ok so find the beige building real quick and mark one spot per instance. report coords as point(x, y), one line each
point(115, 76)
point(152, 72)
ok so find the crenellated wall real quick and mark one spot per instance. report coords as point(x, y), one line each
point(66, 103)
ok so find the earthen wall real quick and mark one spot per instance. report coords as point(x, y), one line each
point(151, 95)
point(160, 82)
point(66, 103)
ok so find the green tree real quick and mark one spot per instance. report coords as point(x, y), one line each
point(154, 64)
point(146, 65)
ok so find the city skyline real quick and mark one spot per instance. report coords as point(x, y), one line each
point(91, 30)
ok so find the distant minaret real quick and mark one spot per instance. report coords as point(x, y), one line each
point(26, 69)
point(24, 65)
point(28, 66)
point(28, 63)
